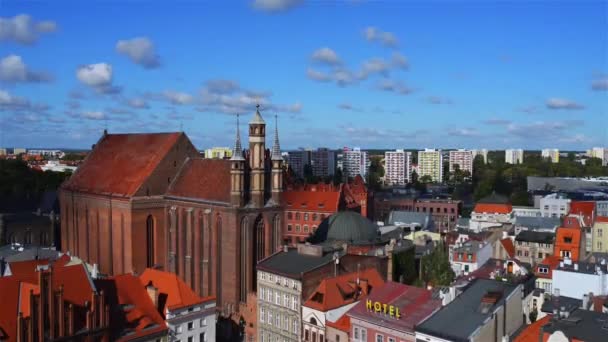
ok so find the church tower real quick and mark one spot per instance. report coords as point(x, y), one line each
point(237, 171)
point(257, 153)
point(277, 166)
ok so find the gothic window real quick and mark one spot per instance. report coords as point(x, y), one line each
point(150, 241)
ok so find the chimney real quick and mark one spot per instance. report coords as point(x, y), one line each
point(585, 302)
point(505, 234)
point(95, 271)
point(153, 293)
point(576, 266)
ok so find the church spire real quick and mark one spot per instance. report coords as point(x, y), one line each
point(276, 147)
point(237, 154)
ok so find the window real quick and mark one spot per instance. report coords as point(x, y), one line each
point(599, 232)
point(305, 228)
point(526, 253)
point(263, 275)
point(294, 303)
point(298, 216)
point(179, 329)
point(269, 317)
point(286, 300)
point(201, 337)
point(379, 338)
point(295, 326)
point(306, 217)
point(270, 277)
point(599, 245)
point(190, 325)
point(286, 322)
point(356, 333)
point(544, 270)
point(363, 334)
point(269, 295)
point(190, 338)
point(288, 227)
point(469, 257)
point(297, 228)
point(277, 320)
point(284, 281)
point(289, 216)
point(518, 253)
point(337, 338)
point(306, 334)
point(540, 255)
point(262, 291)
point(391, 339)
point(262, 314)
point(565, 254)
point(567, 239)
point(277, 298)
point(203, 322)
point(466, 268)
point(314, 217)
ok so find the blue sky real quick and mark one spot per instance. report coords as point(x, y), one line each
point(375, 74)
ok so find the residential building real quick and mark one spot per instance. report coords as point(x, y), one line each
point(577, 279)
point(46, 153)
point(218, 153)
point(17, 151)
point(521, 211)
point(487, 311)
point(397, 167)
point(430, 163)
point(3, 152)
point(355, 163)
point(411, 220)
point(601, 208)
point(464, 160)
point(297, 161)
point(188, 316)
point(323, 162)
point(339, 330)
point(555, 205)
point(579, 325)
point(56, 166)
point(533, 246)
point(391, 313)
point(544, 273)
point(149, 200)
point(482, 152)
point(334, 297)
point(570, 240)
point(469, 256)
point(504, 249)
point(491, 211)
point(537, 224)
point(550, 153)
point(599, 235)
point(599, 152)
point(445, 212)
point(514, 156)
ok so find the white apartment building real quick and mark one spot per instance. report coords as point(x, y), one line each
point(483, 152)
point(3, 152)
point(462, 158)
point(599, 152)
point(554, 205)
point(46, 153)
point(550, 153)
point(514, 156)
point(355, 162)
point(279, 311)
point(17, 151)
point(397, 167)
point(576, 279)
point(430, 163)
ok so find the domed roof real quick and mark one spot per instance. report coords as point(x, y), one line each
point(346, 226)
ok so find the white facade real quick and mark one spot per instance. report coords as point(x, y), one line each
point(279, 311)
point(46, 153)
point(17, 151)
point(599, 152)
point(469, 256)
point(54, 165)
point(194, 323)
point(314, 321)
point(576, 284)
point(397, 167)
point(462, 158)
point(554, 205)
point(430, 163)
point(355, 162)
point(514, 156)
point(526, 212)
point(482, 152)
point(550, 153)
point(483, 221)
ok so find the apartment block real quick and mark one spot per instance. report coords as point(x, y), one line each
point(463, 159)
point(482, 152)
point(550, 153)
point(514, 156)
point(355, 162)
point(398, 165)
point(296, 161)
point(218, 153)
point(599, 152)
point(323, 162)
point(430, 163)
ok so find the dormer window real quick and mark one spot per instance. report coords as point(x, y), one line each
point(567, 239)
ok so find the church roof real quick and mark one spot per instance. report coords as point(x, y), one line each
point(346, 226)
point(121, 163)
point(257, 117)
point(206, 179)
point(178, 294)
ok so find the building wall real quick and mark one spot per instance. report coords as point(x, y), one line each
point(397, 169)
point(507, 319)
point(602, 208)
point(355, 162)
point(299, 224)
point(482, 152)
point(462, 158)
point(374, 332)
point(551, 154)
point(323, 162)
point(445, 212)
point(313, 324)
point(514, 156)
point(545, 284)
point(526, 251)
point(577, 284)
point(197, 322)
point(554, 206)
point(289, 312)
point(526, 212)
point(599, 237)
point(335, 335)
point(430, 163)
point(296, 160)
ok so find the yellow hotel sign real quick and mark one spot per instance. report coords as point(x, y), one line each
point(387, 309)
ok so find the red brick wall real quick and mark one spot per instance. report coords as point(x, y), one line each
point(293, 236)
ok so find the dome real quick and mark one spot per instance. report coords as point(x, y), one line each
point(346, 226)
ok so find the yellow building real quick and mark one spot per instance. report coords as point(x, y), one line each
point(430, 163)
point(599, 235)
point(218, 153)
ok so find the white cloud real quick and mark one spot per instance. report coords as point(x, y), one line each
point(97, 76)
point(9, 102)
point(24, 29)
point(400, 61)
point(344, 77)
point(557, 103)
point(394, 86)
point(138, 103)
point(326, 55)
point(177, 97)
point(374, 66)
point(387, 39)
point(275, 5)
point(316, 75)
point(14, 70)
point(93, 115)
point(463, 132)
point(221, 86)
point(140, 50)
point(600, 84)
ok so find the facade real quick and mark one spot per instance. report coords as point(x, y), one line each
point(218, 153)
point(391, 313)
point(492, 211)
point(482, 152)
point(551, 154)
point(555, 205)
point(514, 156)
point(570, 240)
point(31, 229)
point(487, 311)
point(544, 273)
point(148, 200)
point(430, 163)
point(469, 256)
point(397, 167)
point(599, 152)
point(297, 160)
point(464, 160)
point(599, 235)
point(519, 211)
point(17, 151)
point(355, 163)
point(532, 247)
point(444, 211)
point(323, 162)
point(601, 208)
point(46, 153)
point(3, 152)
point(188, 316)
point(577, 279)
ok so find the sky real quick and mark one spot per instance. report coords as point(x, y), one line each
point(369, 74)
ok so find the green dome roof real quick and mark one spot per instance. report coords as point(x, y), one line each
point(346, 226)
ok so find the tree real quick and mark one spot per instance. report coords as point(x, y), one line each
point(533, 315)
point(436, 268)
point(426, 179)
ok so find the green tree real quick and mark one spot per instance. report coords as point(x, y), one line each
point(436, 269)
point(533, 315)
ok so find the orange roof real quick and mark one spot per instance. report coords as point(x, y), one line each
point(77, 286)
point(121, 163)
point(9, 288)
point(203, 178)
point(126, 291)
point(493, 208)
point(551, 262)
point(603, 219)
point(179, 294)
point(313, 197)
point(584, 208)
point(508, 245)
point(338, 291)
point(532, 332)
point(26, 270)
point(343, 324)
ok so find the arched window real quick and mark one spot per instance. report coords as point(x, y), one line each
point(27, 238)
point(150, 241)
point(259, 238)
point(313, 321)
point(276, 233)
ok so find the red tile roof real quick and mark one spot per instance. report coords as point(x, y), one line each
point(584, 208)
point(532, 332)
point(179, 295)
point(493, 208)
point(415, 305)
point(342, 324)
point(509, 247)
point(336, 292)
point(139, 313)
point(9, 288)
point(313, 198)
point(26, 270)
point(551, 262)
point(203, 179)
point(121, 163)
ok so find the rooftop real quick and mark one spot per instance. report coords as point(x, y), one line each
point(534, 223)
point(315, 197)
point(207, 179)
point(178, 294)
point(583, 267)
point(294, 264)
point(581, 325)
point(536, 237)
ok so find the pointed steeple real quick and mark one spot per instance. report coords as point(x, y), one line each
point(257, 117)
point(276, 147)
point(237, 154)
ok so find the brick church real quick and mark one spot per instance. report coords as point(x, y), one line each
point(150, 200)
